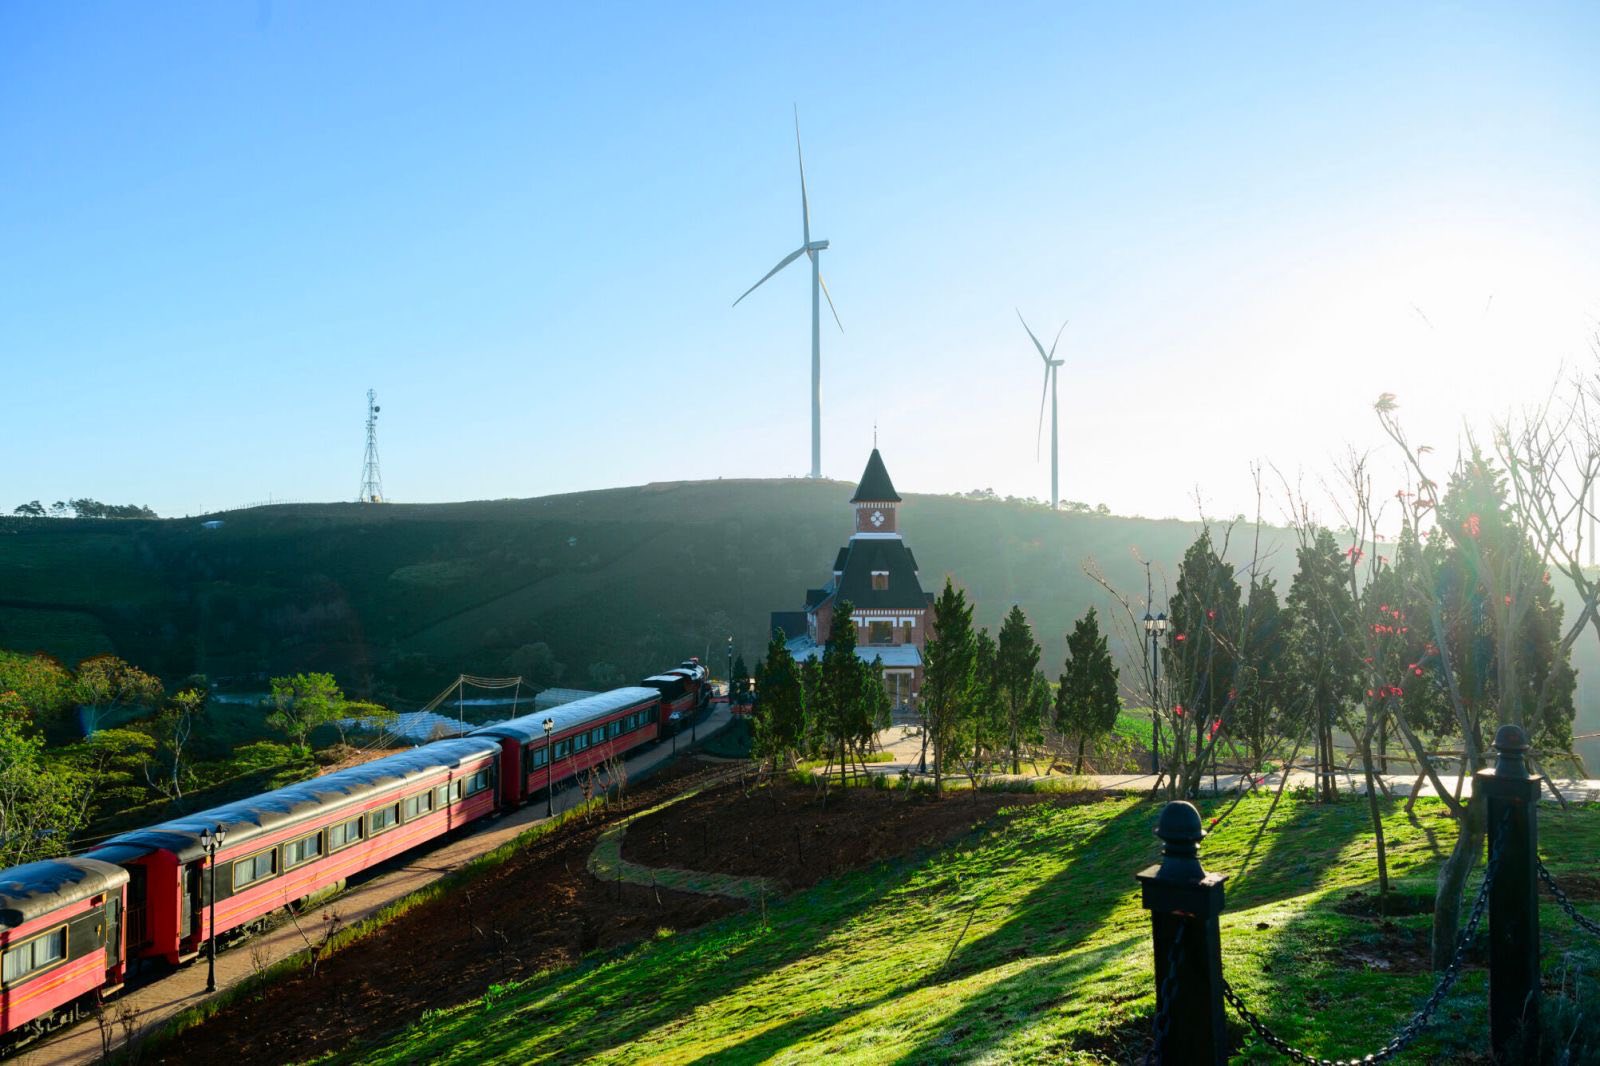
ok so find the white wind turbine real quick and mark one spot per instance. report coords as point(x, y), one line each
point(810, 248)
point(1051, 366)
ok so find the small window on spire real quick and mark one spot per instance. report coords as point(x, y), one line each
point(880, 580)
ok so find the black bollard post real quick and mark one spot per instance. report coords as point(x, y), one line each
point(1180, 895)
point(1513, 899)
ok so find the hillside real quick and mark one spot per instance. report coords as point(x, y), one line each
point(396, 600)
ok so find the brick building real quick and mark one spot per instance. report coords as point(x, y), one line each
point(877, 574)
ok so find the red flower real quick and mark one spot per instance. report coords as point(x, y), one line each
point(1180, 638)
point(1471, 526)
point(1211, 614)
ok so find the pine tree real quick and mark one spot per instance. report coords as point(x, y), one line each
point(1016, 664)
point(950, 655)
point(1256, 711)
point(1201, 643)
point(1086, 699)
point(848, 705)
point(1322, 676)
point(780, 715)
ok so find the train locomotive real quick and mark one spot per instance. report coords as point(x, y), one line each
point(73, 929)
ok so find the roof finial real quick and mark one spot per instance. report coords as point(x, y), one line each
point(874, 432)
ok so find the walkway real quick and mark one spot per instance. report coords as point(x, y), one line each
point(156, 1002)
point(904, 743)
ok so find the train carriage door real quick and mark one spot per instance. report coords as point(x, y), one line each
point(138, 911)
point(188, 925)
point(113, 930)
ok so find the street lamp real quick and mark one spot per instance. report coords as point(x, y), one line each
point(211, 841)
point(1155, 629)
point(730, 673)
point(549, 769)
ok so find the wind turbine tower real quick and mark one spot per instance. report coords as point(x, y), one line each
point(1052, 366)
point(810, 248)
point(371, 478)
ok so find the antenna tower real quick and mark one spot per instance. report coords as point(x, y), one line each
point(371, 478)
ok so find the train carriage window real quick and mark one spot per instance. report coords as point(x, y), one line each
point(441, 796)
point(563, 748)
point(31, 956)
point(597, 735)
point(418, 805)
point(480, 780)
point(580, 742)
point(537, 757)
point(614, 729)
point(344, 834)
point(298, 852)
point(383, 818)
point(460, 787)
point(256, 868)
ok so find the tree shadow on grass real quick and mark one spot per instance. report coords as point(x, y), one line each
point(1060, 913)
point(1302, 842)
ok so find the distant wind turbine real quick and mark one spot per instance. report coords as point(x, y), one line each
point(1052, 366)
point(809, 248)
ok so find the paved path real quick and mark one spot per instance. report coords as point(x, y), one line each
point(904, 743)
point(160, 1000)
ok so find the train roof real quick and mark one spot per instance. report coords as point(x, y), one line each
point(31, 891)
point(569, 715)
point(249, 818)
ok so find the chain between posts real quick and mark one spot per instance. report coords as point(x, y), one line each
point(1588, 925)
point(1420, 1020)
point(1169, 991)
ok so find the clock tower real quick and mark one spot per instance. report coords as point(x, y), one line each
point(875, 500)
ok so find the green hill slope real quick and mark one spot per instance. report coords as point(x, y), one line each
point(1024, 943)
point(396, 600)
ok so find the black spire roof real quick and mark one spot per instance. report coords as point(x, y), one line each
point(875, 484)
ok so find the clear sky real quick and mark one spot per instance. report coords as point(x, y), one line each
point(524, 225)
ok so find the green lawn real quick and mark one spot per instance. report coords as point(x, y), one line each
point(873, 967)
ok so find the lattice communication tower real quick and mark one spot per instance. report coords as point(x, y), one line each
point(371, 477)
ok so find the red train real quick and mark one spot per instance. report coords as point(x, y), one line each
point(72, 929)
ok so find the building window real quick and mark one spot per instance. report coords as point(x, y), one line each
point(257, 867)
point(880, 632)
point(301, 851)
point(880, 581)
point(343, 834)
point(383, 818)
point(34, 955)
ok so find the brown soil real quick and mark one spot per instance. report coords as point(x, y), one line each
point(1395, 949)
point(447, 951)
point(452, 949)
point(1576, 886)
point(786, 831)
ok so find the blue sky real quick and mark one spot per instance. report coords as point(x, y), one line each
point(524, 225)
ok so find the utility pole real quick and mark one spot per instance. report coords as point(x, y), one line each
point(371, 478)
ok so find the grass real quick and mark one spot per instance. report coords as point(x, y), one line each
point(1022, 942)
point(1135, 723)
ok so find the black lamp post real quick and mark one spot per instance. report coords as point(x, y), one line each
point(1155, 629)
point(211, 841)
point(549, 770)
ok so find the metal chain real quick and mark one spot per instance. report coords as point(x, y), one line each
point(1420, 1020)
point(1589, 925)
point(1169, 991)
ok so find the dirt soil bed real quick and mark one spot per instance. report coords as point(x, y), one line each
point(539, 909)
point(542, 909)
point(786, 831)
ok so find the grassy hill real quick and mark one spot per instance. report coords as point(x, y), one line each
point(1025, 942)
point(396, 600)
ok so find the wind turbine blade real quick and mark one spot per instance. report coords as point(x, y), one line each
point(832, 308)
point(1057, 341)
point(1035, 340)
point(785, 261)
point(805, 206)
point(1037, 437)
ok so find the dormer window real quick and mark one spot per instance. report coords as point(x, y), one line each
point(880, 581)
